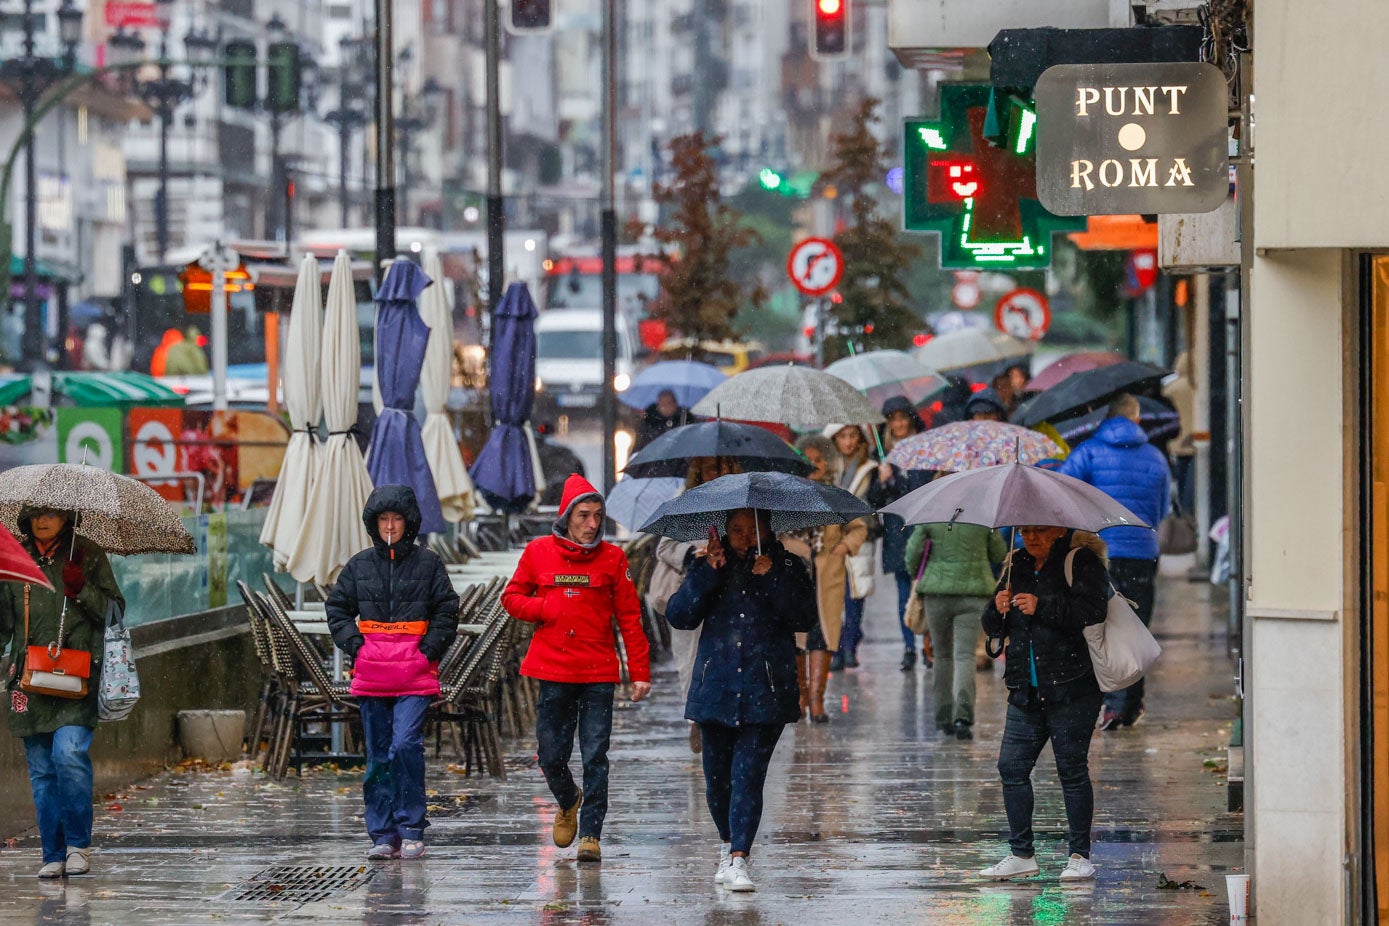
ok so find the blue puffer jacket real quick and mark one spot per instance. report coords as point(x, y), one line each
point(1120, 462)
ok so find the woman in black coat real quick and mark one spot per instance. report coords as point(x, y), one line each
point(751, 605)
point(1040, 614)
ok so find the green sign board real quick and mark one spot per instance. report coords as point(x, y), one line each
point(91, 435)
point(981, 198)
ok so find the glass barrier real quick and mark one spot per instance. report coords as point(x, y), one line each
point(159, 587)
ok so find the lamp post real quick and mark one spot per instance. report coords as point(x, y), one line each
point(418, 111)
point(164, 93)
point(28, 76)
point(350, 114)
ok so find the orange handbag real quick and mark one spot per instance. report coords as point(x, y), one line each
point(53, 670)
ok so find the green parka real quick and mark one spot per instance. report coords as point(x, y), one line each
point(84, 629)
point(959, 561)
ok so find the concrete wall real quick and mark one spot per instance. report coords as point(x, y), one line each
point(1319, 79)
point(199, 661)
point(1296, 525)
point(948, 24)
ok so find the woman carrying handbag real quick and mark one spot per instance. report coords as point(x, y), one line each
point(56, 713)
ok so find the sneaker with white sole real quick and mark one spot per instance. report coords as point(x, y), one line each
point(412, 848)
point(79, 861)
point(53, 870)
point(1010, 867)
point(725, 862)
point(1078, 868)
point(739, 876)
point(382, 851)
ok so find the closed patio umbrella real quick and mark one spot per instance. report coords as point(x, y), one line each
point(304, 402)
point(333, 529)
point(504, 471)
point(451, 478)
point(396, 453)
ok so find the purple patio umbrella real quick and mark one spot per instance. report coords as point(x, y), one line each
point(396, 453)
point(502, 471)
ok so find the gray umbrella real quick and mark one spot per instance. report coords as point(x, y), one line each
point(117, 513)
point(794, 503)
point(1013, 495)
point(801, 398)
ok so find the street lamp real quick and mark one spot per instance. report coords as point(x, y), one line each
point(418, 112)
point(164, 93)
point(354, 65)
point(28, 77)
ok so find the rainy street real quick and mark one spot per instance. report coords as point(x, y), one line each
point(873, 816)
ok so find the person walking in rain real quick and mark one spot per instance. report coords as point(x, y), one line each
point(1050, 591)
point(57, 732)
point(956, 583)
point(394, 611)
point(892, 483)
point(750, 597)
point(1119, 461)
point(856, 473)
point(572, 585)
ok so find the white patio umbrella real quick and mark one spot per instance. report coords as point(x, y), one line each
point(303, 400)
point(333, 529)
point(451, 479)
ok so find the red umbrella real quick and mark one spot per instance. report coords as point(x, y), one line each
point(1058, 370)
point(16, 565)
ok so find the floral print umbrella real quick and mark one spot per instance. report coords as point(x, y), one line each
point(964, 445)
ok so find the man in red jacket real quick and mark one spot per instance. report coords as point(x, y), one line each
point(573, 584)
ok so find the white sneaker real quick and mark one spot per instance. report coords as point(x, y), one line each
point(53, 870)
point(1010, 867)
point(382, 851)
point(1078, 868)
point(738, 877)
point(725, 862)
point(412, 848)
point(79, 861)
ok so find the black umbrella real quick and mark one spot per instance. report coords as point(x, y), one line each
point(794, 503)
point(1158, 420)
point(1082, 392)
point(757, 449)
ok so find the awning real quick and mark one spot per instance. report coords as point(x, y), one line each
point(94, 390)
point(47, 270)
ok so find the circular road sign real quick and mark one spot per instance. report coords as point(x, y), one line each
point(1023, 313)
point(965, 294)
point(815, 266)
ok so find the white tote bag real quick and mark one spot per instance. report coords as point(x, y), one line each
point(119, 688)
point(1121, 649)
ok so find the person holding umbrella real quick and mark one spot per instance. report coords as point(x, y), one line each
point(659, 417)
point(893, 483)
point(57, 731)
point(855, 472)
point(1050, 591)
point(749, 598)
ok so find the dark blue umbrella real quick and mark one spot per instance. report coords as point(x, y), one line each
point(756, 449)
point(396, 453)
point(794, 503)
point(502, 471)
point(688, 380)
point(1158, 420)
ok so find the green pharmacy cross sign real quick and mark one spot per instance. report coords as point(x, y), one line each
point(979, 197)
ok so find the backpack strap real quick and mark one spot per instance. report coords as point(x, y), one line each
point(1069, 566)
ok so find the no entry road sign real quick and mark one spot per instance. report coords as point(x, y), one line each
point(815, 266)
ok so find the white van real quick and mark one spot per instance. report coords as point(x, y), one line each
point(569, 360)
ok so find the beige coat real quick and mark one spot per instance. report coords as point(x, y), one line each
point(831, 575)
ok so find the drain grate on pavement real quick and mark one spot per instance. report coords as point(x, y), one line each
point(299, 884)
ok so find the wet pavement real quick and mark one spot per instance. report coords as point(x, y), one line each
point(873, 818)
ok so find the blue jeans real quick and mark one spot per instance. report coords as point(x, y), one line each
point(735, 768)
point(1069, 725)
point(905, 581)
point(852, 634)
point(1136, 580)
point(563, 709)
point(60, 774)
point(394, 786)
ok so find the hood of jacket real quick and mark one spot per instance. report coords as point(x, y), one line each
point(986, 399)
point(1120, 432)
point(401, 500)
point(899, 403)
point(576, 489)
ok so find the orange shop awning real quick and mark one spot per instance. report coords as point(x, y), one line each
point(1117, 233)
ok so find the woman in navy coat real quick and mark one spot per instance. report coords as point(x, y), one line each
point(744, 692)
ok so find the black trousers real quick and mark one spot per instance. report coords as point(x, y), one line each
point(735, 768)
point(566, 708)
point(1136, 580)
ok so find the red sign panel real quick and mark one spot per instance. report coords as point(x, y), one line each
point(1023, 313)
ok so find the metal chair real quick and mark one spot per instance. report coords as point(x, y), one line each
point(271, 687)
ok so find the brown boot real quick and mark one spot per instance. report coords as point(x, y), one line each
point(819, 672)
point(803, 680)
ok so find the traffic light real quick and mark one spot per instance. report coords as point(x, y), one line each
point(282, 59)
point(530, 15)
point(831, 38)
point(239, 74)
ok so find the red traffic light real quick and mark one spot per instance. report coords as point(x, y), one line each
point(831, 35)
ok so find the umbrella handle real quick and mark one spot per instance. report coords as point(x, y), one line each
point(757, 526)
